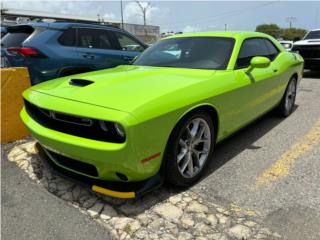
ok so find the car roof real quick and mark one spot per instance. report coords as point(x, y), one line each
point(229, 34)
point(65, 25)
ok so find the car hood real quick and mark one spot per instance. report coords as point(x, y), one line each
point(125, 87)
point(307, 42)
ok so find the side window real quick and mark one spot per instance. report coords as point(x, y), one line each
point(127, 43)
point(249, 49)
point(68, 37)
point(273, 51)
point(93, 38)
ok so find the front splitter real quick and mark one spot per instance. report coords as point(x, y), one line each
point(108, 188)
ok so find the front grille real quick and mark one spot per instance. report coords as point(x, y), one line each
point(73, 164)
point(308, 51)
point(74, 125)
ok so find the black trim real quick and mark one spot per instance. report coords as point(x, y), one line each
point(80, 82)
point(73, 164)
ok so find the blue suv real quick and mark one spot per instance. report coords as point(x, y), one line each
point(57, 49)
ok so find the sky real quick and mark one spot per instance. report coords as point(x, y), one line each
point(189, 16)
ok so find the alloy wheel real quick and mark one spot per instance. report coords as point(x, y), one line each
point(194, 147)
point(290, 95)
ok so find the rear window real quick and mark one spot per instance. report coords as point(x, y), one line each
point(16, 36)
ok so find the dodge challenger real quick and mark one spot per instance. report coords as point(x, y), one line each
point(160, 117)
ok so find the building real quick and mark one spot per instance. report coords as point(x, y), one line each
point(9, 17)
point(148, 33)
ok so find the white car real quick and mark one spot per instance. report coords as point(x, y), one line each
point(309, 49)
point(287, 44)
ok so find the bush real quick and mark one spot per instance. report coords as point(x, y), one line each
point(284, 33)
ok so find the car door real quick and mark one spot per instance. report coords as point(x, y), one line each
point(257, 87)
point(127, 47)
point(96, 47)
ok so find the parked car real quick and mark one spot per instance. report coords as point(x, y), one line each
point(161, 117)
point(3, 31)
point(309, 49)
point(57, 49)
point(287, 44)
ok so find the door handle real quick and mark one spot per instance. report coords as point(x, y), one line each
point(88, 56)
point(128, 59)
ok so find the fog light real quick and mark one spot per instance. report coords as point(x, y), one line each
point(119, 129)
point(122, 176)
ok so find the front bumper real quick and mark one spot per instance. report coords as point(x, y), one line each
point(113, 189)
point(110, 160)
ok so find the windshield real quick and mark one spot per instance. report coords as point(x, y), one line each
point(189, 52)
point(313, 35)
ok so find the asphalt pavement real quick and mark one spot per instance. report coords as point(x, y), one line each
point(287, 198)
point(28, 211)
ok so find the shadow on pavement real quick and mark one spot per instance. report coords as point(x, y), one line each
point(311, 74)
point(242, 140)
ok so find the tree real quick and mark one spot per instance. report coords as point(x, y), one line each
point(144, 6)
point(293, 33)
point(271, 29)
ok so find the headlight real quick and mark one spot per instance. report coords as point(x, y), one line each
point(287, 45)
point(113, 132)
point(119, 129)
point(103, 126)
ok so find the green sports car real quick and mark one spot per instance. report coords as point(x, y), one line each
point(160, 118)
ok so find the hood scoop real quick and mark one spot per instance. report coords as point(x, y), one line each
point(80, 82)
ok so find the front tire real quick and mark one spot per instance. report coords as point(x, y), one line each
point(287, 103)
point(189, 149)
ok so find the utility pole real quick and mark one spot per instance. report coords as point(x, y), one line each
point(317, 16)
point(225, 27)
point(144, 9)
point(121, 14)
point(291, 20)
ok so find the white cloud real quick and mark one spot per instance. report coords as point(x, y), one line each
point(78, 8)
point(189, 28)
point(109, 16)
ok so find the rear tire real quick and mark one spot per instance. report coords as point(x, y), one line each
point(287, 103)
point(189, 149)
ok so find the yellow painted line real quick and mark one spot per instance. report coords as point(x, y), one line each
point(281, 167)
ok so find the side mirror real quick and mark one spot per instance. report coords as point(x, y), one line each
point(258, 62)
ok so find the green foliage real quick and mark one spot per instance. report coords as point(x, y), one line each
point(293, 33)
point(272, 29)
point(284, 33)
